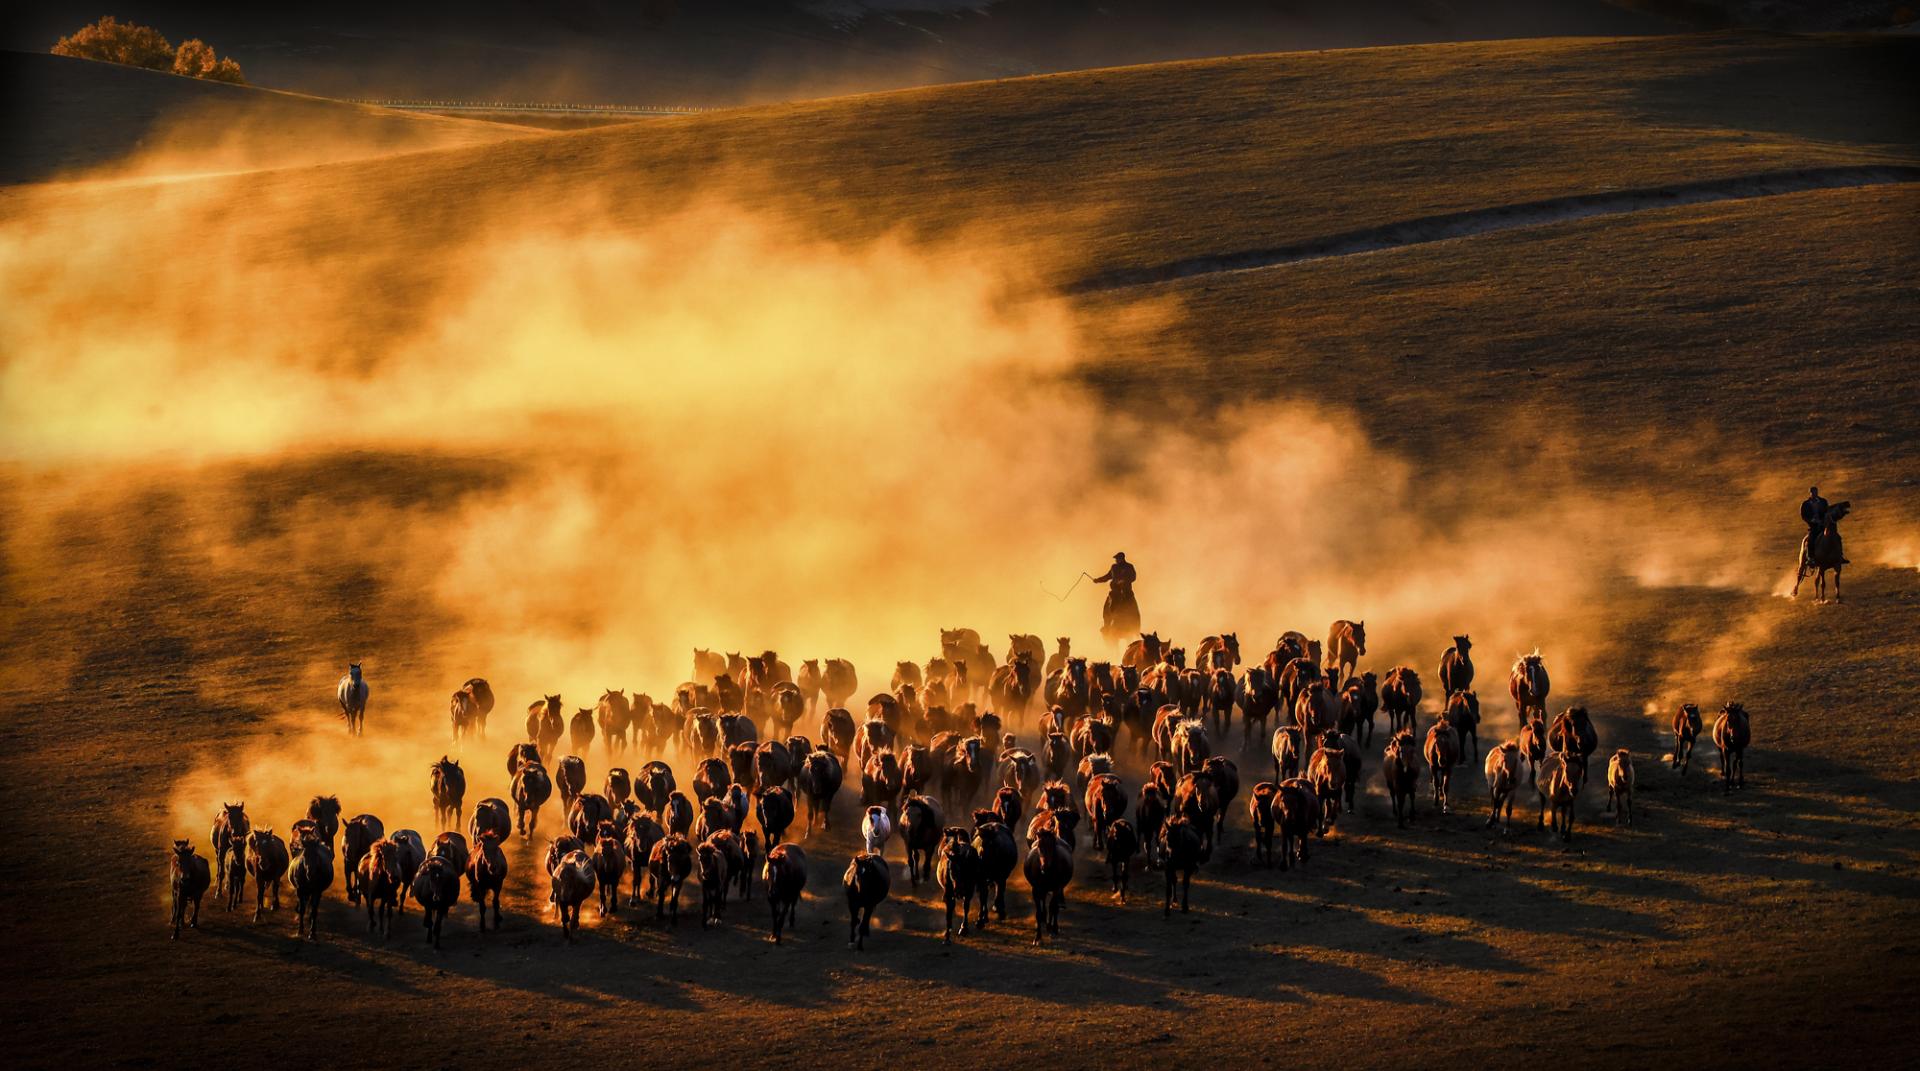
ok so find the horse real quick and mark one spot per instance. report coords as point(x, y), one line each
point(809, 680)
point(1503, 782)
point(436, 888)
point(1731, 734)
point(1359, 702)
point(1463, 712)
point(481, 693)
point(1442, 752)
point(1142, 652)
point(785, 876)
point(867, 884)
point(267, 861)
point(1400, 769)
point(230, 828)
point(1049, 867)
point(190, 880)
point(1346, 642)
point(1058, 659)
point(486, 874)
point(352, 693)
point(1400, 696)
point(545, 723)
point(1572, 732)
point(573, 881)
point(449, 791)
point(310, 874)
point(465, 713)
point(615, 715)
point(1528, 684)
point(1822, 554)
point(1456, 666)
point(1620, 786)
point(1218, 652)
point(839, 682)
point(580, 730)
point(1686, 729)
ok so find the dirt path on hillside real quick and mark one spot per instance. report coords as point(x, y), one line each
point(1480, 221)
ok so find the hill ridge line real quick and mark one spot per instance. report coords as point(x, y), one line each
point(1477, 221)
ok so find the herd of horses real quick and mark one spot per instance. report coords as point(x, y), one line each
point(1033, 749)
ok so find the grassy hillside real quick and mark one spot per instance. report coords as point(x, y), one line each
point(1676, 374)
point(667, 52)
point(72, 115)
point(1763, 331)
point(1137, 166)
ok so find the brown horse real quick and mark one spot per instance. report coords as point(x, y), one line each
point(580, 730)
point(1731, 734)
point(230, 829)
point(1058, 659)
point(1529, 686)
point(1456, 666)
point(1400, 697)
point(839, 682)
point(190, 879)
point(1442, 752)
point(1573, 733)
point(1821, 554)
point(1143, 652)
point(1686, 729)
point(481, 693)
point(810, 681)
point(465, 711)
point(1219, 652)
point(614, 712)
point(1346, 642)
point(545, 724)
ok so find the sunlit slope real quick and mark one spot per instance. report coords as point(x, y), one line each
point(1774, 331)
point(1136, 166)
point(70, 115)
point(164, 619)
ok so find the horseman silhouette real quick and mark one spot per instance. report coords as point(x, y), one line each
point(1820, 549)
point(1120, 617)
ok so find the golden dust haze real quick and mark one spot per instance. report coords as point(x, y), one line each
point(721, 431)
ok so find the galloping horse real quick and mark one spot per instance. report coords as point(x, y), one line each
point(352, 694)
point(1529, 685)
point(1346, 642)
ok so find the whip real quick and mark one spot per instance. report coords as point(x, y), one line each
point(1063, 598)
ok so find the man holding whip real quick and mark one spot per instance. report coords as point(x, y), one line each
point(1120, 617)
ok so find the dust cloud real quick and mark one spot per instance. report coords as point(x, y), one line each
point(723, 432)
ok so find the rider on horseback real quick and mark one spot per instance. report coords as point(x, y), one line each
point(1813, 513)
point(1121, 614)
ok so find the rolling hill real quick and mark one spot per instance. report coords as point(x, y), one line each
point(557, 407)
point(72, 116)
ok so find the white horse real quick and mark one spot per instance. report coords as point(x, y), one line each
point(875, 828)
point(353, 700)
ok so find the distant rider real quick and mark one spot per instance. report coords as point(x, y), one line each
point(1813, 513)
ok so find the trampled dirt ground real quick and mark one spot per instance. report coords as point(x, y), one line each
point(1617, 412)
